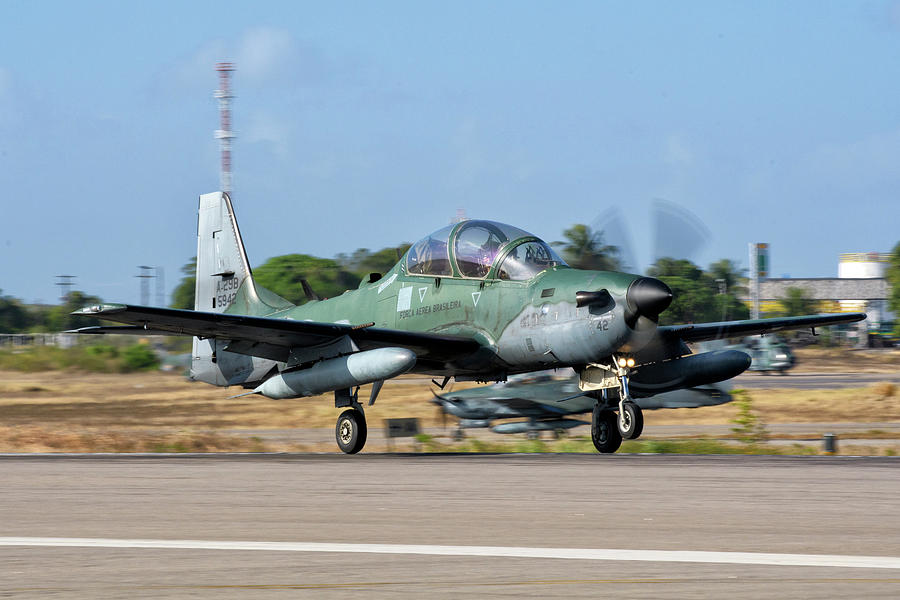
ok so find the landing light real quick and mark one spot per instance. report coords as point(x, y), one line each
point(622, 362)
point(630, 362)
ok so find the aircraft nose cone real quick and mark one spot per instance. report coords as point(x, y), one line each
point(648, 297)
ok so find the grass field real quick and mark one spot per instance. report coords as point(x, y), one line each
point(155, 411)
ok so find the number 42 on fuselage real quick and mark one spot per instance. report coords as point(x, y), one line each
point(476, 301)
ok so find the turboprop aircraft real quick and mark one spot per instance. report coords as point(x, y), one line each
point(547, 401)
point(474, 301)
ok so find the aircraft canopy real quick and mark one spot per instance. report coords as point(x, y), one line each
point(479, 249)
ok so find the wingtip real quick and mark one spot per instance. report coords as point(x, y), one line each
point(99, 309)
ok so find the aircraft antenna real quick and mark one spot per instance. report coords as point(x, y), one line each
point(224, 134)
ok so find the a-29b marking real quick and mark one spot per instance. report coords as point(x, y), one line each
point(223, 298)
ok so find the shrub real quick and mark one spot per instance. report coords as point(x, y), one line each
point(884, 390)
point(139, 357)
point(748, 425)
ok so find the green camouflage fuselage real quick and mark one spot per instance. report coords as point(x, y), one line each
point(525, 325)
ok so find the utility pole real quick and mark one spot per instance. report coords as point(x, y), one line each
point(160, 286)
point(144, 275)
point(759, 269)
point(64, 282)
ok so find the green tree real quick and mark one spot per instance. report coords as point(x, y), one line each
point(283, 275)
point(893, 277)
point(796, 302)
point(733, 276)
point(14, 318)
point(363, 261)
point(583, 248)
point(693, 292)
point(183, 296)
point(59, 318)
point(731, 285)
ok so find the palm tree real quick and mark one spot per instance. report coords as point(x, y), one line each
point(584, 249)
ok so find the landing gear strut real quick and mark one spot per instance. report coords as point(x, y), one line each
point(351, 430)
point(631, 419)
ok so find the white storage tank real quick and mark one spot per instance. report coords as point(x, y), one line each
point(863, 265)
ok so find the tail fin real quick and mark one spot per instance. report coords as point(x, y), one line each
point(225, 284)
point(224, 279)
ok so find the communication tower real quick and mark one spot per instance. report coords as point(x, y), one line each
point(224, 133)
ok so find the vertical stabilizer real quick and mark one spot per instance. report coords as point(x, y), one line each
point(222, 265)
point(225, 283)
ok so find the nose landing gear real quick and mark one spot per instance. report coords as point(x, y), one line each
point(608, 429)
point(604, 432)
point(631, 418)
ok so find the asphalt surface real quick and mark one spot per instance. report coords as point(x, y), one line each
point(544, 504)
point(811, 381)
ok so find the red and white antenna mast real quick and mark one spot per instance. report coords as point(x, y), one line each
point(224, 133)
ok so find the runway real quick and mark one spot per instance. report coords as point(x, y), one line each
point(812, 381)
point(384, 526)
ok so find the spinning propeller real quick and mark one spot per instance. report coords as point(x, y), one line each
point(677, 233)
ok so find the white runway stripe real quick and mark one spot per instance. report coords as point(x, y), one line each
point(688, 556)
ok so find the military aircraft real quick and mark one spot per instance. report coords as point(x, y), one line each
point(767, 353)
point(474, 301)
point(548, 399)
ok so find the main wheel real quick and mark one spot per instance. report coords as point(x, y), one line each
point(604, 431)
point(631, 422)
point(351, 431)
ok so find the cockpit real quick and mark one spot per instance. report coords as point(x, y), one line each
point(481, 249)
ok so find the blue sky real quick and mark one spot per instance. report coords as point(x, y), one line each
point(364, 124)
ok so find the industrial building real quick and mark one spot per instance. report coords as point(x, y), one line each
point(861, 286)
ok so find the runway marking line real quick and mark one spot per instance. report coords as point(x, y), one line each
point(606, 554)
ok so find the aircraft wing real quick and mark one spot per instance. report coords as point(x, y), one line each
point(701, 332)
point(271, 337)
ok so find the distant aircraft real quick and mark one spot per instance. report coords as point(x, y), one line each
point(474, 301)
point(768, 353)
point(547, 400)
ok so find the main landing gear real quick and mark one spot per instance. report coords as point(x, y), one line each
point(351, 430)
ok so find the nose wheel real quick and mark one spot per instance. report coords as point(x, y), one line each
point(631, 420)
point(604, 432)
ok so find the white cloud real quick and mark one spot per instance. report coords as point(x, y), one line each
point(263, 52)
point(266, 128)
point(196, 70)
point(263, 56)
point(677, 151)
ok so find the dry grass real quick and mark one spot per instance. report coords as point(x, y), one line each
point(33, 438)
point(885, 389)
point(157, 411)
point(842, 360)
